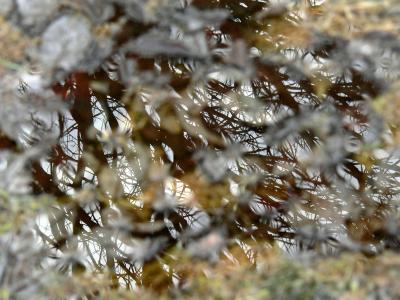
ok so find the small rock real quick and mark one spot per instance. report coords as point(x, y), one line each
point(5, 7)
point(64, 43)
point(36, 11)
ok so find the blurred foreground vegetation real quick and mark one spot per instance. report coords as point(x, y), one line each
point(350, 276)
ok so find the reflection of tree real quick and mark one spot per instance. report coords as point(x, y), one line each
point(211, 152)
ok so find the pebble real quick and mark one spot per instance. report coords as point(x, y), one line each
point(65, 42)
point(36, 11)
